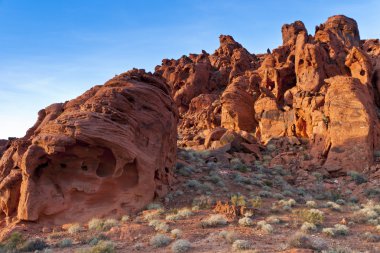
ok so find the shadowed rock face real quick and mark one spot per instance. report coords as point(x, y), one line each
point(323, 88)
point(110, 150)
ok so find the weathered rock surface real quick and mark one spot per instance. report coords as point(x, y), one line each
point(109, 151)
point(323, 88)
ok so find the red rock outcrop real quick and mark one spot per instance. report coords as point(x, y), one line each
point(353, 126)
point(108, 151)
point(324, 88)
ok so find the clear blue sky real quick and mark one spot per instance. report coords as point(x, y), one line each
point(53, 50)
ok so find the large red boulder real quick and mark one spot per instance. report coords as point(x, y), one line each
point(109, 151)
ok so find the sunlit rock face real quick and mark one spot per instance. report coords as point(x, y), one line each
point(322, 88)
point(109, 151)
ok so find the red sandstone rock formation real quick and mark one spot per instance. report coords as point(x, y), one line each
point(113, 147)
point(108, 151)
point(324, 88)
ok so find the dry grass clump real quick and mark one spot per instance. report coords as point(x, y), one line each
point(152, 214)
point(337, 230)
point(160, 240)
point(334, 206)
point(303, 241)
point(102, 225)
point(159, 225)
point(229, 236)
point(311, 204)
point(176, 233)
point(265, 227)
point(308, 227)
point(245, 222)
point(181, 214)
point(368, 213)
point(273, 220)
point(214, 220)
point(75, 228)
point(241, 245)
point(313, 216)
point(181, 246)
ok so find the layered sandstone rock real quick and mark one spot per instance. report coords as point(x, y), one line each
point(353, 125)
point(297, 91)
point(109, 151)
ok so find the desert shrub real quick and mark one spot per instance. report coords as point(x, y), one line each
point(65, 243)
point(14, 241)
point(154, 206)
point(289, 202)
point(181, 214)
point(214, 221)
point(265, 194)
point(273, 220)
point(110, 223)
point(185, 171)
point(271, 147)
point(313, 216)
point(138, 246)
point(339, 250)
point(181, 246)
point(102, 225)
point(338, 229)
point(240, 245)
point(357, 177)
point(370, 237)
point(334, 206)
point(95, 224)
point(311, 204)
point(238, 200)
point(265, 227)
point(329, 231)
point(369, 212)
point(103, 247)
point(245, 222)
point(160, 240)
point(33, 245)
point(303, 241)
point(185, 212)
point(159, 225)
point(125, 218)
point(308, 227)
point(193, 183)
point(239, 179)
point(75, 228)
point(372, 192)
point(278, 196)
point(153, 214)
point(256, 202)
point(176, 233)
point(215, 178)
point(340, 201)
point(173, 217)
point(229, 236)
point(318, 176)
point(203, 202)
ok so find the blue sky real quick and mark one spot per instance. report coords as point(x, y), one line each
point(53, 50)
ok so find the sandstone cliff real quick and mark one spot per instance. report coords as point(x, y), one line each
point(323, 89)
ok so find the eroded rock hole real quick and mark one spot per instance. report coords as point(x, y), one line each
point(107, 164)
point(130, 176)
point(38, 171)
point(362, 72)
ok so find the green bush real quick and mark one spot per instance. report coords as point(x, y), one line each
point(313, 216)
